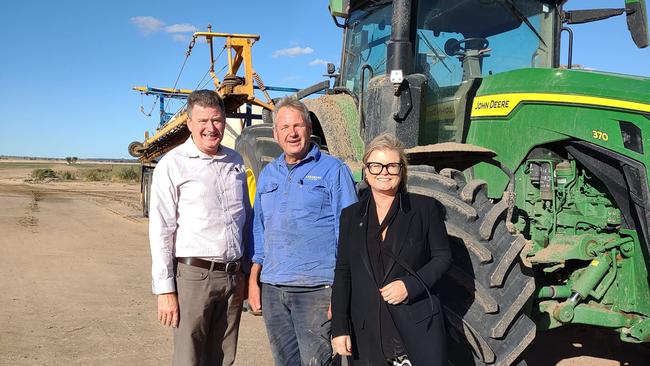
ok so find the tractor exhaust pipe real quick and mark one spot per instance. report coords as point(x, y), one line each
point(399, 48)
point(400, 91)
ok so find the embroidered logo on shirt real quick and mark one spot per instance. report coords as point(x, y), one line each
point(313, 177)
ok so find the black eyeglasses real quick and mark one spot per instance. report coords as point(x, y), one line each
point(377, 168)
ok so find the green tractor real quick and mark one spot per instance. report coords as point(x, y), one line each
point(541, 168)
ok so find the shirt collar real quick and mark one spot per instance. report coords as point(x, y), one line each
point(192, 151)
point(313, 154)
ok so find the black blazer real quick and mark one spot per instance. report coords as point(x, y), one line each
point(355, 295)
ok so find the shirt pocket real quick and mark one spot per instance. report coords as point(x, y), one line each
point(236, 181)
point(234, 191)
point(310, 202)
point(268, 199)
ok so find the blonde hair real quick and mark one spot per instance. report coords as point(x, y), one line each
point(387, 141)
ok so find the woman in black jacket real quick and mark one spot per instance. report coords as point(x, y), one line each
point(393, 248)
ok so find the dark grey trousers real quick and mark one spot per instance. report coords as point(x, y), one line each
point(210, 306)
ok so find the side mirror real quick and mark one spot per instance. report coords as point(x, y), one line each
point(331, 69)
point(637, 22)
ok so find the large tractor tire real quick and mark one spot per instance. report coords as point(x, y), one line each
point(486, 288)
point(258, 148)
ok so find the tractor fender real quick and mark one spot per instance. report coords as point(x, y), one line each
point(336, 118)
point(449, 155)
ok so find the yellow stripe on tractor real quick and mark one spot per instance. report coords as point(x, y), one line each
point(501, 105)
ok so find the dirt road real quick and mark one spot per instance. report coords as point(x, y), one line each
point(76, 291)
point(76, 279)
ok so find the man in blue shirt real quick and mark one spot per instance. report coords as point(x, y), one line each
point(298, 203)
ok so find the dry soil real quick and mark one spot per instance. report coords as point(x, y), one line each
point(75, 286)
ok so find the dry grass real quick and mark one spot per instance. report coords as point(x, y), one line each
point(60, 170)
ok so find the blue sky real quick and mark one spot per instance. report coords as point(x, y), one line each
point(67, 66)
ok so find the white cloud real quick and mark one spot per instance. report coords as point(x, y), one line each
point(318, 61)
point(293, 51)
point(181, 28)
point(147, 24)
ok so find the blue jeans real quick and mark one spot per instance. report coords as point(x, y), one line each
point(297, 325)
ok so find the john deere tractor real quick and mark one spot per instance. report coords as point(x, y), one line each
point(541, 166)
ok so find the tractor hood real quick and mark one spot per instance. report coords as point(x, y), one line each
point(558, 82)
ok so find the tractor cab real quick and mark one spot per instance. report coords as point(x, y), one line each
point(438, 52)
point(452, 44)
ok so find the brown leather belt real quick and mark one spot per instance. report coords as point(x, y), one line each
point(230, 267)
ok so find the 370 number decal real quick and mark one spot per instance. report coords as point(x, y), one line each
point(600, 135)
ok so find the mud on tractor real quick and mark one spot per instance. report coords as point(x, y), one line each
point(541, 168)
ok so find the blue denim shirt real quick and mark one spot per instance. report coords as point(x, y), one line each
point(296, 219)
